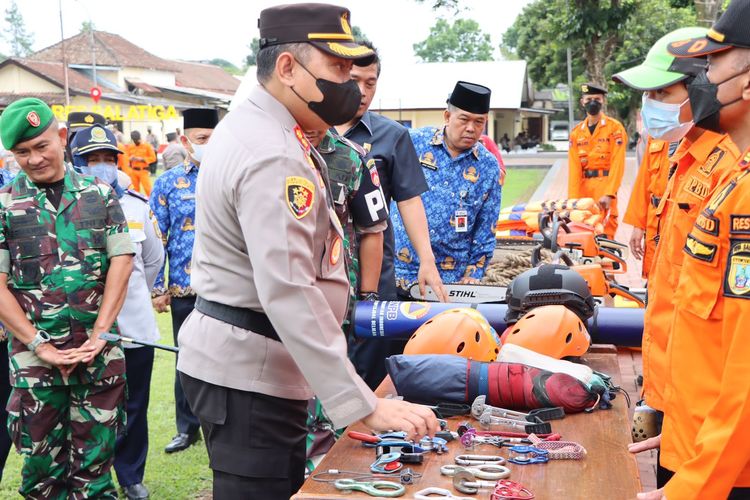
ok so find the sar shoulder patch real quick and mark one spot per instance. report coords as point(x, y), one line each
point(737, 274)
point(300, 195)
point(739, 224)
point(700, 250)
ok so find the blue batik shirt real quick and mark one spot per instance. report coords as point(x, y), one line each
point(173, 203)
point(464, 192)
point(5, 176)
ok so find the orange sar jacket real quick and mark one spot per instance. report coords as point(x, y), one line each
point(647, 192)
point(707, 414)
point(596, 163)
point(143, 150)
point(698, 169)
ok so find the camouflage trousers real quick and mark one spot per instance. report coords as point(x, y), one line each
point(68, 436)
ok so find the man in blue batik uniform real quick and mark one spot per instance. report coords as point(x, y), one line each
point(173, 203)
point(463, 200)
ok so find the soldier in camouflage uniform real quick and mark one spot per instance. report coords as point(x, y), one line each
point(360, 207)
point(65, 259)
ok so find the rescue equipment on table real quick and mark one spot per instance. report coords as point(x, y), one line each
point(523, 219)
point(462, 331)
point(520, 380)
point(559, 450)
point(553, 330)
point(549, 284)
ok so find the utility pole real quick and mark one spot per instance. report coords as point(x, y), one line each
point(64, 59)
point(570, 92)
point(93, 53)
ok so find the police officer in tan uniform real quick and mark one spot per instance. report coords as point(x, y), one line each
point(268, 267)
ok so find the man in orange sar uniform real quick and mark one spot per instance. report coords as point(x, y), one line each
point(644, 199)
point(596, 156)
point(706, 407)
point(141, 154)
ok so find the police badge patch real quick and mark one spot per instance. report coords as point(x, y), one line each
point(737, 274)
point(300, 195)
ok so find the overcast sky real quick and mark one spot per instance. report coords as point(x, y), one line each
point(205, 29)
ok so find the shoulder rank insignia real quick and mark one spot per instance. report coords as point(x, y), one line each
point(471, 174)
point(428, 160)
point(737, 275)
point(710, 163)
point(301, 138)
point(300, 195)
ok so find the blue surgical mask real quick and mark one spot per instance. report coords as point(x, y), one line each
point(105, 172)
point(662, 120)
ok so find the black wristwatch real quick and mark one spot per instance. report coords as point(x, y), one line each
point(369, 296)
point(42, 337)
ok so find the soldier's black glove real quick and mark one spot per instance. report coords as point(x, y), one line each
point(368, 296)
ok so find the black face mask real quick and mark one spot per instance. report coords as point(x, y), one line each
point(593, 107)
point(704, 102)
point(340, 100)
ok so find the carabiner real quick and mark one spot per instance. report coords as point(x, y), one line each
point(479, 460)
point(486, 471)
point(386, 489)
point(440, 494)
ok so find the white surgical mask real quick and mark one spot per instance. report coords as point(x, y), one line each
point(198, 150)
point(662, 120)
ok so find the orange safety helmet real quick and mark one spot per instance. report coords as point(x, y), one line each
point(553, 330)
point(461, 331)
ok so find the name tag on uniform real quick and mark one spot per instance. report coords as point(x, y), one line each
point(462, 221)
point(186, 197)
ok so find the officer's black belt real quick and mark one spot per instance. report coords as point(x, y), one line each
point(595, 173)
point(655, 200)
point(247, 319)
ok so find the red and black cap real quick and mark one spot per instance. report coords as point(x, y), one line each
point(731, 30)
point(327, 27)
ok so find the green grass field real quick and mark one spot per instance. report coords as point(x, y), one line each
point(178, 476)
point(186, 475)
point(520, 184)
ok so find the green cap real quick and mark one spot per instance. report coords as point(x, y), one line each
point(24, 119)
point(661, 69)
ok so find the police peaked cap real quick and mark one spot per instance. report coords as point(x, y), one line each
point(593, 89)
point(78, 120)
point(92, 139)
point(327, 27)
point(471, 97)
point(200, 118)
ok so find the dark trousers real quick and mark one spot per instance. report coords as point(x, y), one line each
point(5, 441)
point(368, 357)
point(187, 423)
point(255, 442)
point(132, 447)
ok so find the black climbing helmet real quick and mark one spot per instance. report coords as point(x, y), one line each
point(548, 284)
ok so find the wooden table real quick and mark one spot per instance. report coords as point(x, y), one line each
point(608, 471)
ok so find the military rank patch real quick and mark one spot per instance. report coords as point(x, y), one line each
point(711, 162)
point(300, 135)
point(699, 250)
point(373, 172)
point(737, 274)
point(707, 223)
point(739, 224)
point(300, 195)
point(695, 187)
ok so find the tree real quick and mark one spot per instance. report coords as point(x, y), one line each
point(252, 57)
point(15, 33)
point(358, 34)
point(461, 41)
point(87, 27)
point(541, 34)
point(443, 4)
point(226, 66)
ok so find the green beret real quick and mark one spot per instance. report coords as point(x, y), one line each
point(24, 119)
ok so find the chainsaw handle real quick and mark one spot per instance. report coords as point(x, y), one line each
point(617, 289)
